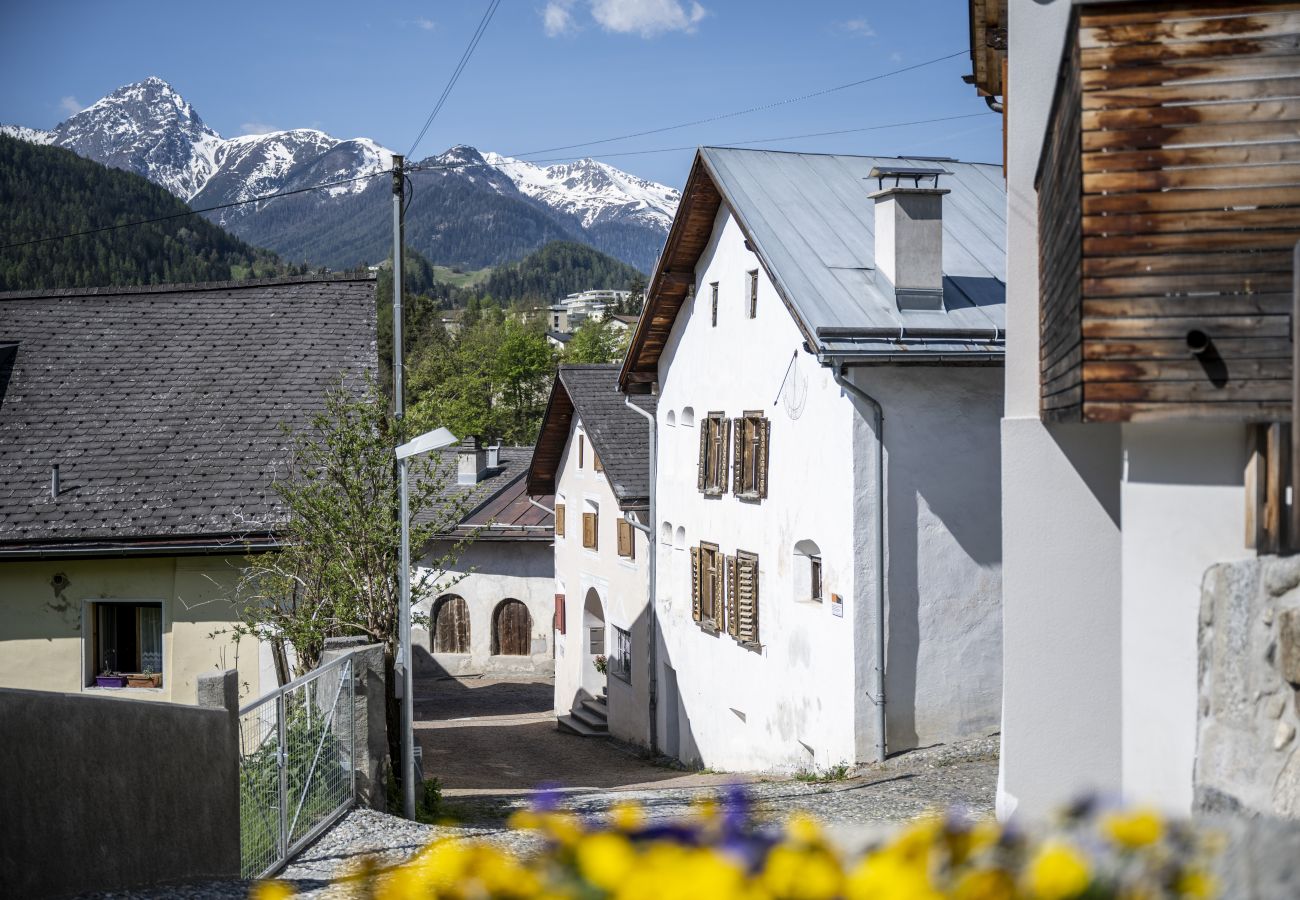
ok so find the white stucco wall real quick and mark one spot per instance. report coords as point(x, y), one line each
point(622, 586)
point(804, 700)
point(1107, 532)
point(492, 571)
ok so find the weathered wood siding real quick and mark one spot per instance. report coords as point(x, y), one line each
point(1169, 203)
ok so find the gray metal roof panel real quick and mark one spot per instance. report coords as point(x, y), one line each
point(813, 224)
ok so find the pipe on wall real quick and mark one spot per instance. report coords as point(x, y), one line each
point(653, 552)
point(878, 552)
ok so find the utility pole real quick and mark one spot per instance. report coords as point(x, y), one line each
point(403, 667)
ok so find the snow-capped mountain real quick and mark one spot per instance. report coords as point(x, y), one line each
point(150, 129)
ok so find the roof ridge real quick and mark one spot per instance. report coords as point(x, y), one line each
point(178, 288)
point(962, 162)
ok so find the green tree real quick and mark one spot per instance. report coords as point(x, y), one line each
point(596, 341)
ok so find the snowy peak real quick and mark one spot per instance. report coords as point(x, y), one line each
point(30, 135)
point(593, 191)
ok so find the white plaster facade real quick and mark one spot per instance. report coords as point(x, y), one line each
point(1107, 532)
point(601, 590)
point(487, 574)
point(804, 699)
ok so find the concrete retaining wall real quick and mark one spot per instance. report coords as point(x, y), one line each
point(106, 794)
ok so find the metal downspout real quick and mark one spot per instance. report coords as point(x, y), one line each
point(654, 567)
point(879, 551)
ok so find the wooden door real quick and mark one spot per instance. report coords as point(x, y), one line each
point(451, 626)
point(513, 629)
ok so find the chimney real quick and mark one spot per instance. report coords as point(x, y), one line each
point(494, 454)
point(471, 461)
point(909, 234)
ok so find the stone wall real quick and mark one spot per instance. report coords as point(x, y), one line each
point(1248, 758)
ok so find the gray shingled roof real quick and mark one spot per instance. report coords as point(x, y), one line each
point(163, 405)
point(497, 505)
point(619, 435)
point(812, 223)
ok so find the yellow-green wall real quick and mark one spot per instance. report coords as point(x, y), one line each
point(41, 645)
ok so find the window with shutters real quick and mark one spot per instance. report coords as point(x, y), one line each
point(626, 542)
point(590, 526)
point(715, 447)
point(595, 461)
point(713, 291)
point(559, 519)
point(749, 472)
point(708, 581)
point(561, 619)
point(753, 294)
point(620, 655)
point(742, 598)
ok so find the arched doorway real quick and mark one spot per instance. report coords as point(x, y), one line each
point(512, 629)
point(593, 642)
point(451, 625)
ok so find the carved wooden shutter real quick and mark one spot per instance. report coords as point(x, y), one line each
point(719, 574)
point(764, 439)
point(559, 520)
point(695, 583)
point(733, 617)
point(589, 530)
point(704, 454)
point(724, 454)
point(738, 473)
point(746, 589)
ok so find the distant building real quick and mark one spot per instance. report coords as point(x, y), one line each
point(559, 339)
point(567, 315)
point(623, 323)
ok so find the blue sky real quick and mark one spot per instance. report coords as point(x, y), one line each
point(547, 73)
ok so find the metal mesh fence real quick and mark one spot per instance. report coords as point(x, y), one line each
point(296, 770)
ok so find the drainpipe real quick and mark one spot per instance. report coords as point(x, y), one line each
point(878, 414)
point(649, 531)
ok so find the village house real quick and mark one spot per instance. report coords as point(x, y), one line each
point(491, 613)
point(593, 456)
point(140, 440)
point(1153, 208)
point(827, 586)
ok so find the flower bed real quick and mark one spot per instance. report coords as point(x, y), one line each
point(722, 852)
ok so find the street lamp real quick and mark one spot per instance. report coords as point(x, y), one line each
point(433, 440)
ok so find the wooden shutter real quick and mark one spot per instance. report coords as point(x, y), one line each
point(559, 613)
point(624, 538)
point(738, 473)
point(704, 455)
point(595, 461)
point(746, 588)
point(764, 439)
point(733, 617)
point(589, 530)
point(695, 583)
point(724, 453)
point(559, 520)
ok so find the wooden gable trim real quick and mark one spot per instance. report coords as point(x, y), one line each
point(551, 440)
point(674, 275)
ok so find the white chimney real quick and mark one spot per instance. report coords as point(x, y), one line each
point(471, 461)
point(909, 234)
point(494, 454)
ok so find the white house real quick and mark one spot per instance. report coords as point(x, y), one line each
point(491, 615)
point(593, 456)
point(1132, 393)
point(800, 550)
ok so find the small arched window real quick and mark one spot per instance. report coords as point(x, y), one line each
point(666, 534)
point(807, 570)
point(671, 418)
point(679, 541)
point(688, 416)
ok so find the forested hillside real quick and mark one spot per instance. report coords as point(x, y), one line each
point(558, 269)
point(47, 191)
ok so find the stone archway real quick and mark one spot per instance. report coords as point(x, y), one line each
point(512, 629)
point(451, 625)
point(593, 642)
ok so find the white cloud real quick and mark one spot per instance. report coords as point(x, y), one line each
point(646, 18)
point(70, 105)
point(426, 24)
point(256, 128)
point(896, 57)
point(859, 27)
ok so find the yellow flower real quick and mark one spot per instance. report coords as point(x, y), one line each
point(984, 884)
point(887, 876)
point(524, 818)
point(604, 859)
point(706, 808)
point(1135, 829)
point(1058, 872)
point(271, 890)
point(802, 874)
point(1197, 884)
point(802, 828)
point(626, 816)
point(564, 828)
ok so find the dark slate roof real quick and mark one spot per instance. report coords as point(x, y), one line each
point(497, 506)
point(619, 435)
point(163, 406)
point(561, 337)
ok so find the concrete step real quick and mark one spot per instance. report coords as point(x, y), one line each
point(596, 707)
point(591, 720)
point(573, 726)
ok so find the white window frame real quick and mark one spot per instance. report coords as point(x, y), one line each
point(88, 650)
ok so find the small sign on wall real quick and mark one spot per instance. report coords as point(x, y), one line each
point(837, 605)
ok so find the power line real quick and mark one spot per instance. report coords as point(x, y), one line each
point(456, 73)
point(191, 212)
point(752, 109)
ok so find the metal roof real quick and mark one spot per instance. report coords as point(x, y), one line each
point(812, 223)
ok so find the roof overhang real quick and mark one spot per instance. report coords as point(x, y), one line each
point(207, 545)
